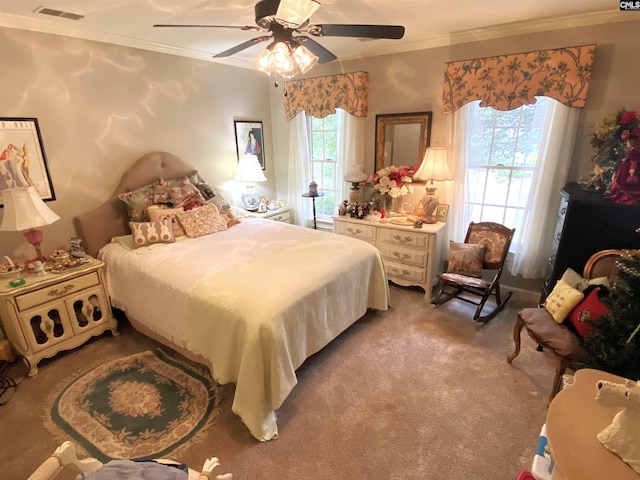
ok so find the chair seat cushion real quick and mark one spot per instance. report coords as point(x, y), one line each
point(464, 280)
point(556, 337)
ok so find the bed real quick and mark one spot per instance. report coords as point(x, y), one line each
point(251, 302)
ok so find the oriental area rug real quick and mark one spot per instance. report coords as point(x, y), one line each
point(142, 406)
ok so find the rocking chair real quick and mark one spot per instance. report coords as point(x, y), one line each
point(490, 241)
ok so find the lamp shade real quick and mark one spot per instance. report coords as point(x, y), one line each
point(434, 166)
point(249, 170)
point(24, 210)
point(355, 174)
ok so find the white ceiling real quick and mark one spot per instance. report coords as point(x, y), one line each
point(428, 23)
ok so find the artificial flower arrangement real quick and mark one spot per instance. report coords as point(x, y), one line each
point(393, 181)
point(609, 146)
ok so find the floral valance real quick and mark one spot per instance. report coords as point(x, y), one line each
point(320, 96)
point(507, 82)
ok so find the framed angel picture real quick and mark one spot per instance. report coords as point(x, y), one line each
point(22, 159)
point(250, 140)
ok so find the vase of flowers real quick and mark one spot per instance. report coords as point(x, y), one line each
point(391, 184)
point(609, 147)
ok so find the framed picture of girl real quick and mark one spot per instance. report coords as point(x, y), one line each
point(250, 139)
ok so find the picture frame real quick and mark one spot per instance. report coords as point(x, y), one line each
point(442, 212)
point(250, 139)
point(22, 157)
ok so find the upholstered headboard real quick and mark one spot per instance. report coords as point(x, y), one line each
point(111, 219)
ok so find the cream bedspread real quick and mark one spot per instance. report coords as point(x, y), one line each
point(256, 300)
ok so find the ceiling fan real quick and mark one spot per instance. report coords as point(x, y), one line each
point(287, 23)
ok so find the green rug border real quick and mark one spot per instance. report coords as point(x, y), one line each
point(95, 452)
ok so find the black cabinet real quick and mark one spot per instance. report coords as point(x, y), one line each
point(588, 223)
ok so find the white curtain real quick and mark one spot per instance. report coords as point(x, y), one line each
point(350, 151)
point(549, 176)
point(299, 169)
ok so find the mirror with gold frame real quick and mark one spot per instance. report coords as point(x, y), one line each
point(401, 138)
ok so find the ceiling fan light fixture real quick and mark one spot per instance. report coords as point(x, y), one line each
point(304, 58)
point(285, 59)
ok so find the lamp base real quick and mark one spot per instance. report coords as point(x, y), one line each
point(355, 195)
point(34, 237)
point(430, 204)
point(250, 198)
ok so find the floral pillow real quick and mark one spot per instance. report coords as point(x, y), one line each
point(185, 194)
point(137, 202)
point(147, 233)
point(562, 299)
point(466, 259)
point(202, 221)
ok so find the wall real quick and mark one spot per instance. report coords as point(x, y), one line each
point(412, 82)
point(100, 107)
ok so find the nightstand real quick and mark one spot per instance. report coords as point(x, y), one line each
point(55, 312)
point(281, 214)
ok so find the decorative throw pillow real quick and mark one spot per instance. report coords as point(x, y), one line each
point(185, 193)
point(220, 202)
point(562, 299)
point(202, 221)
point(466, 259)
point(146, 233)
point(576, 280)
point(137, 202)
point(157, 212)
point(588, 310)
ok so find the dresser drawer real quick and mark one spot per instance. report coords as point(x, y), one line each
point(404, 238)
point(406, 256)
point(52, 292)
point(281, 217)
point(362, 232)
point(408, 273)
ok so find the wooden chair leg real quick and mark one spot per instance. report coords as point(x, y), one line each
point(561, 366)
point(517, 329)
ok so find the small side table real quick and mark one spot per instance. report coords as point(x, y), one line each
point(313, 199)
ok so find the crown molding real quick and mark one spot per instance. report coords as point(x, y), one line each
point(459, 37)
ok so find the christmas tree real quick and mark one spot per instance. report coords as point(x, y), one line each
point(614, 344)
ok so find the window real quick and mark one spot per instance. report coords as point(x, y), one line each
point(503, 148)
point(324, 163)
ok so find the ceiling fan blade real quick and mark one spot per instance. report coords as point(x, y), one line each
point(394, 32)
point(293, 13)
point(245, 27)
point(324, 55)
point(242, 46)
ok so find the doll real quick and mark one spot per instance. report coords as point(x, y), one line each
point(625, 187)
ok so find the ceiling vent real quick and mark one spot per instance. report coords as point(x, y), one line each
point(58, 13)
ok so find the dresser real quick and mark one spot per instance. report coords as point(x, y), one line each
point(282, 214)
point(55, 312)
point(412, 256)
point(586, 224)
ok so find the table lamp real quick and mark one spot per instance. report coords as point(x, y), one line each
point(25, 210)
point(434, 167)
point(250, 171)
point(355, 176)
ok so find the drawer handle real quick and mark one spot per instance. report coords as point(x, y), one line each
point(402, 239)
point(278, 218)
point(402, 273)
point(402, 256)
point(55, 293)
point(354, 231)
point(563, 211)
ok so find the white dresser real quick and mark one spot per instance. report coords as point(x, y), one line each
point(281, 214)
point(412, 256)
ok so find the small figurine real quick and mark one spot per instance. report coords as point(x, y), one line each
point(313, 189)
point(262, 208)
point(342, 209)
point(38, 267)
